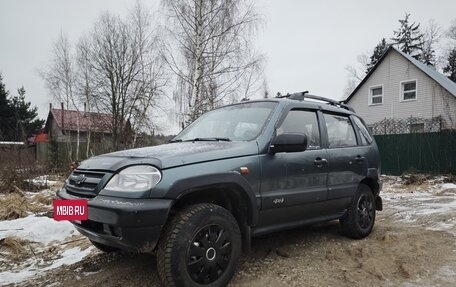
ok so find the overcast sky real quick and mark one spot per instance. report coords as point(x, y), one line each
point(307, 43)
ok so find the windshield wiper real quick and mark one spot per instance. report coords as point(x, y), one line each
point(215, 139)
point(209, 139)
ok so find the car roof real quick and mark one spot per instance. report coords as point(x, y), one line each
point(305, 104)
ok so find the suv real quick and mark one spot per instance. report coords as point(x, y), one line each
point(238, 171)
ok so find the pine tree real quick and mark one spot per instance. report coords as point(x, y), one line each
point(6, 114)
point(24, 117)
point(17, 117)
point(450, 68)
point(409, 38)
point(381, 48)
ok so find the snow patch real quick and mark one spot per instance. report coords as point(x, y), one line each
point(37, 229)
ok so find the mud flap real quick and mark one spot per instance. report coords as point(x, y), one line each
point(378, 203)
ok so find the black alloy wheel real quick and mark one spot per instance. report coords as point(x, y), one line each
point(200, 246)
point(359, 219)
point(209, 254)
point(365, 211)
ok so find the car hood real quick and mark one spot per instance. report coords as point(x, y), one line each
point(171, 155)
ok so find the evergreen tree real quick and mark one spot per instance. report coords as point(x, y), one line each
point(381, 48)
point(409, 38)
point(25, 119)
point(17, 117)
point(6, 113)
point(450, 68)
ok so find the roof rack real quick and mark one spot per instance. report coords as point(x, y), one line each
point(305, 95)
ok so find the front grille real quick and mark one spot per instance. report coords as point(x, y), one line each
point(86, 184)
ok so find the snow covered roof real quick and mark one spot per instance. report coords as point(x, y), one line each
point(446, 83)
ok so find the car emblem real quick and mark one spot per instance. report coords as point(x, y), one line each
point(80, 179)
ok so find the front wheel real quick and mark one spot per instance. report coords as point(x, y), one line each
point(199, 247)
point(360, 217)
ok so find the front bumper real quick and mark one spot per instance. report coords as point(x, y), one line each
point(128, 224)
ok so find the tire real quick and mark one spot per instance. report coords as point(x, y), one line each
point(359, 220)
point(201, 246)
point(104, 248)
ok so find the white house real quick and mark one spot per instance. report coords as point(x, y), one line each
point(402, 95)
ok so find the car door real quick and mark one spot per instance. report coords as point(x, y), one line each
point(347, 163)
point(294, 182)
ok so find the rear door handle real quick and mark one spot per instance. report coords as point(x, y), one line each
point(360, 159)
point(319, 162)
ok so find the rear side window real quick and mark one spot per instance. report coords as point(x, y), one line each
point(306, 122)
point(340, 131)
point(366, 138)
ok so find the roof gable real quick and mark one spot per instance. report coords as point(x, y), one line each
point(441, 79)
point(95, 122)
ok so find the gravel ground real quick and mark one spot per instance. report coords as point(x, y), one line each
point(412, 244)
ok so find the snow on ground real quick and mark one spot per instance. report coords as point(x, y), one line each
point(43, 180)
point(37, 229)
point(430, 205)
point(44, 234)
point(37, 243)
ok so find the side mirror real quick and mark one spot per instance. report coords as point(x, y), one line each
point(288, 142)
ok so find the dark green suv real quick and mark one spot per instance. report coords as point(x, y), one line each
point(238, 171)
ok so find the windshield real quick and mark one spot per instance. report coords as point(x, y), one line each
point(242, 122)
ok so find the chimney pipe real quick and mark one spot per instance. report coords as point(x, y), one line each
point(85, 107)
point(50, 106)
point(63, 125)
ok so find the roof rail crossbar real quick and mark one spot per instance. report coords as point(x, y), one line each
point(305, 95)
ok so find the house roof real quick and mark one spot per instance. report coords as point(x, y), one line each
point(441, 79)
point(95, 122)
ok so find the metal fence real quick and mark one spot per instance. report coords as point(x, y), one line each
point(415, 144)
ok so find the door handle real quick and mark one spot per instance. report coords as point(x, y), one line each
point(319, 162)
point(360, 159)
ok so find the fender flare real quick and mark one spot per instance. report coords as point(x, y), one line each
point(186, 186)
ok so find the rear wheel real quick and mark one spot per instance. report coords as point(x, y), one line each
point(199, 247)
point(359, 220)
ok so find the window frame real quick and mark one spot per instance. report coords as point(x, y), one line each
point(371, 96)
point(402, 91)
point(319, 124)
point(348, 116)
point(359, 132)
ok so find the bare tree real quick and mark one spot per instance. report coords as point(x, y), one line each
point(60, 79)
point(127, 74)
point(431, 37)
point(452, 30)
point(355, 74)
point(85, 85)
point(209, 50)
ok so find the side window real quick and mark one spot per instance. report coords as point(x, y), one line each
point(366, 138)
point(306, 122)
point(340, 131)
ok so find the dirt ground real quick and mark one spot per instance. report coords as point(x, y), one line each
point(413, 244)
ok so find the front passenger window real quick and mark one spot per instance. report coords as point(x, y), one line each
point(305, 122)
point(340, 131)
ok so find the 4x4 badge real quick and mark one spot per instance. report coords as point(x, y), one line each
point(278, 200)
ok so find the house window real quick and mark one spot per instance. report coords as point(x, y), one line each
point(408, 90)
point(417, 128)
point(376, 95)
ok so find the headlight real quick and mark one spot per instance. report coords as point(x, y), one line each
point(135, 178)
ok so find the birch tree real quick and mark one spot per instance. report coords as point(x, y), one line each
point(209, 49)
point(60, 79)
